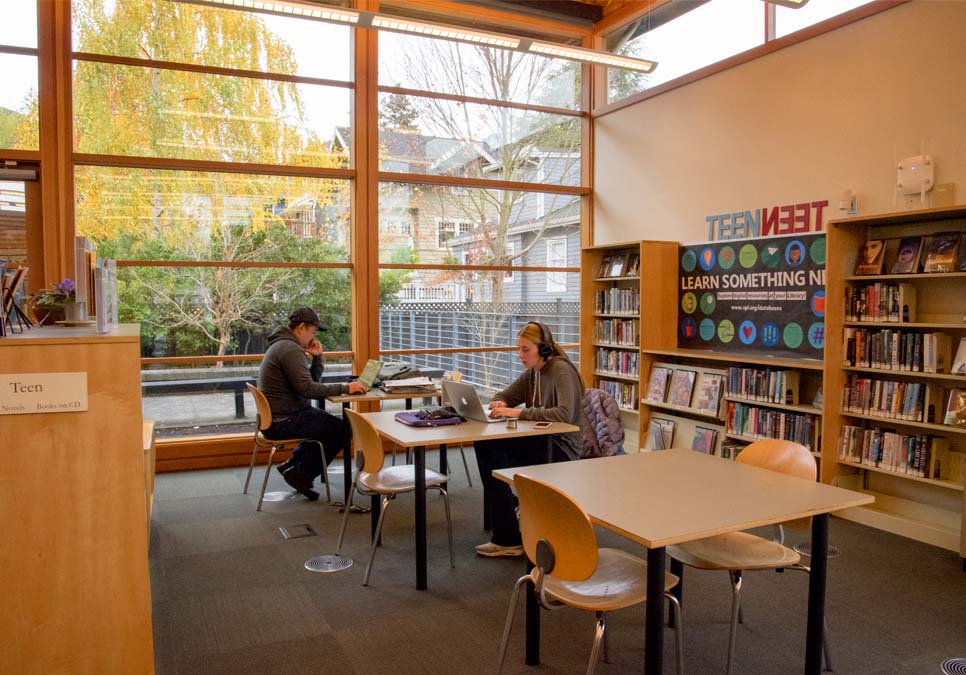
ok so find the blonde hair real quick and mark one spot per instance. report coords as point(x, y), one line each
point(535, 334)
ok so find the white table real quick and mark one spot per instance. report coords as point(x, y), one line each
point(673, 496)
point(418, 438)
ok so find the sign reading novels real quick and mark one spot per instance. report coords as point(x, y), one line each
point(759, 294)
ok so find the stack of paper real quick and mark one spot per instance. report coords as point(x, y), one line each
point(408, 384)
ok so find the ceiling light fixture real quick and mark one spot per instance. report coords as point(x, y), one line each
point(315, 11)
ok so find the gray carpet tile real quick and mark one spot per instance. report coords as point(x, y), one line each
point(230, 595)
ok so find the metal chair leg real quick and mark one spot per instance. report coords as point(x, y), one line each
point(449, 525)
point(511, 614)
point(600, 615)
point(375, 538)
point(466, 467)
point(345, 517)
point(251, 467)
point(678, 632)
point(598, 638)
point(735, 607)
point(268, 471)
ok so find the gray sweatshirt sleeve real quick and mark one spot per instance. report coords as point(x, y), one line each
point(297, 373)
point(560, 394)
point(516, 393)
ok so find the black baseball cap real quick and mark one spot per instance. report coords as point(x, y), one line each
point(305, 315)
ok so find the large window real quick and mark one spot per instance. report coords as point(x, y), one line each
point(212, 164)
point(19, 118)
point(686, 35)
point(474, 263)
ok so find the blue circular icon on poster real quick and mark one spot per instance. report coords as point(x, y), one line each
point(706, 259)
point(689, 328)
point(770, 334)
point(816, 335)
point(795, 253)
point(688, 260)
point(706, 329)
point(818, 303)
point(747, 332)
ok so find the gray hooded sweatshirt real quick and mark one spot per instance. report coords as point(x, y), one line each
point(286, 378)
point(552, 394)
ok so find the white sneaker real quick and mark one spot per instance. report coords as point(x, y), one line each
point(491, 550)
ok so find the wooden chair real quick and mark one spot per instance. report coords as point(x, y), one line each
point(737, 552)
point(374, 478)
point(572, 571)
point(263, 422)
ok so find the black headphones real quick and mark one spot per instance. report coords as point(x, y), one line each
point(545, 348)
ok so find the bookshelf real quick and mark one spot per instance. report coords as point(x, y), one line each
point(619, 311)
point(885, 432)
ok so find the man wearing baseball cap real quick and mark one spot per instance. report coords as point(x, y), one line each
point(290, 381)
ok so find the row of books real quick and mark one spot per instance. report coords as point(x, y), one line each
point(676, 386)
point(619, 264)
point(624, 393)
point(617, 331)
point(914, 455)
point(894, 303)
point(754, 422)
point(910, 401)
point(618, 301)
point(731, 448)
point(620, 361)
point(764, 384)
point(945, 252)
point(900, 350)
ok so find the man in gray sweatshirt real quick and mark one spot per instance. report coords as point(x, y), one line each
point(290, 382)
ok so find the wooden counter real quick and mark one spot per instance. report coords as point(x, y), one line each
point(73, 559)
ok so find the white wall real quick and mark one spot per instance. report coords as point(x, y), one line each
point(804, 123)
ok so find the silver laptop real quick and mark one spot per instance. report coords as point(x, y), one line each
point(466, 402)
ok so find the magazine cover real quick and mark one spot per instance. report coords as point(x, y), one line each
point(871, 257)
point(682, 382)
point(657, 386)
point(709, 393)
point(942, 252)
point(907, 257)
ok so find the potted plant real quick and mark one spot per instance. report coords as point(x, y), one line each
point(56, 303)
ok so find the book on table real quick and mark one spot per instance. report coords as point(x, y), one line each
point(908, 255)
point(682, 382)
point(871, 257)
point(941, 256)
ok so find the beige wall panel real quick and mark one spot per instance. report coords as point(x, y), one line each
point(801, 124)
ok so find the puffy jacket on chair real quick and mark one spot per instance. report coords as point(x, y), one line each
point(603, 434)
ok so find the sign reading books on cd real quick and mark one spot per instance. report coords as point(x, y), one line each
point(766, 295)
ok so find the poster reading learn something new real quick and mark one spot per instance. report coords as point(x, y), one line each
point(765, 295)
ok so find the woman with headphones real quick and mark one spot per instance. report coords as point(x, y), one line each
point(550, 389)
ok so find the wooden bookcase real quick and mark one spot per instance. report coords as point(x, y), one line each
point(642, 319)
point(920, 507)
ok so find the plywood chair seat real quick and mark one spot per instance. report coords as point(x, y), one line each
point(570, 570)
point(374, 479)
point(619, 581)
point(735, 550)
point(397, 479)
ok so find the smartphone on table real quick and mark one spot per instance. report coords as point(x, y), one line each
point(543, 425)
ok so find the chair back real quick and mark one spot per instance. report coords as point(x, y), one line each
point(262, 407)
point(781, 456)
point(547, 514)
point(367, 440)
point(784, 457)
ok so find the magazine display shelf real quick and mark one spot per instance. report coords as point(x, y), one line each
point(925, 508)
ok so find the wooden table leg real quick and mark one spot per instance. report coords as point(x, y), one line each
point(654, 613)
point(419, 460)
point(816, 595)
